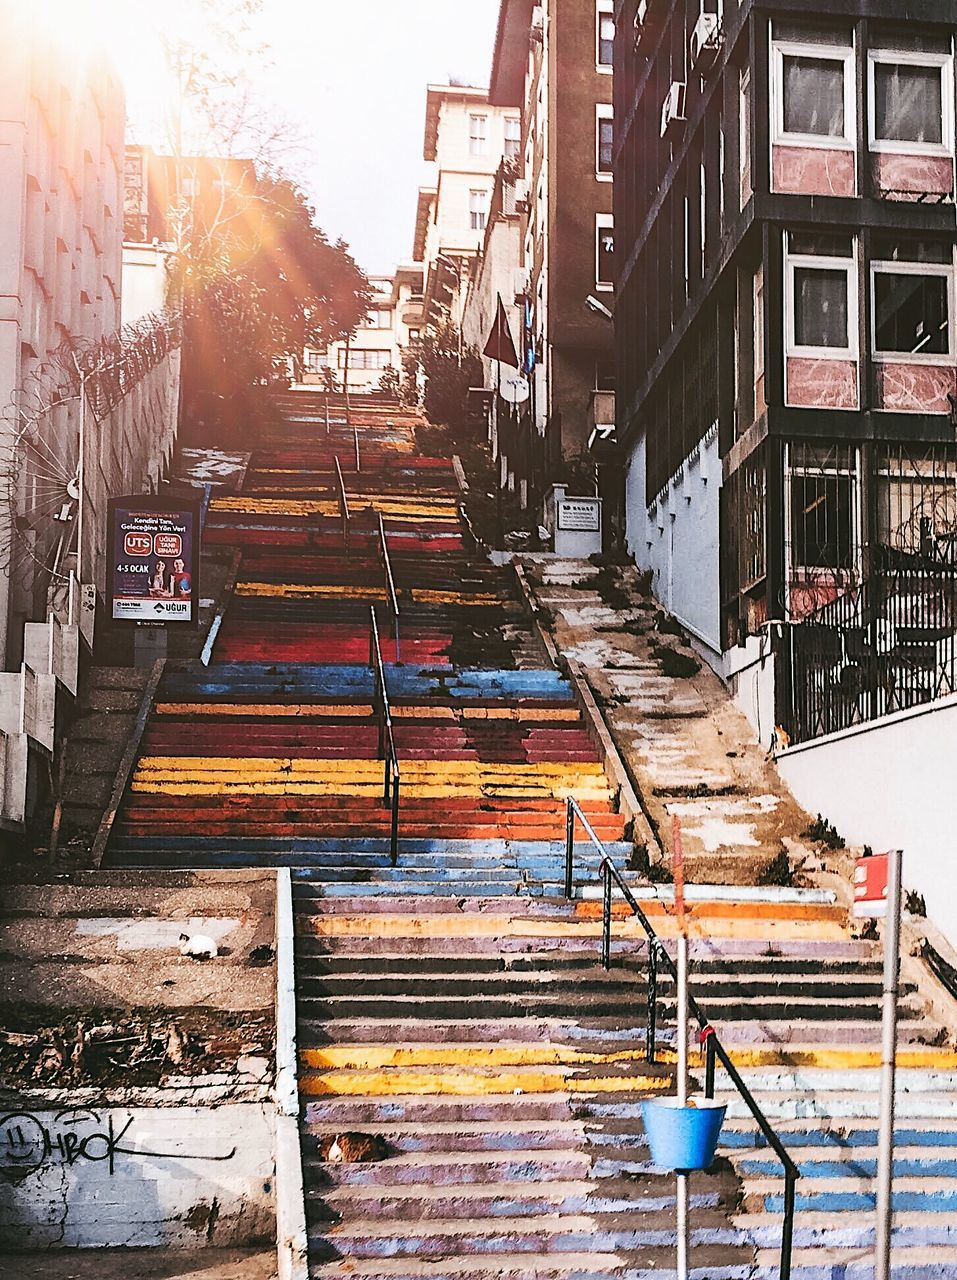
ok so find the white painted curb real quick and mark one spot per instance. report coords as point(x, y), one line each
point(292, 1237)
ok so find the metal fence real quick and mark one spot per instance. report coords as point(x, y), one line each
point(884, 646)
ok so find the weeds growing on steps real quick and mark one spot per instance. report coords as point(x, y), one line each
point(676, 665)
point(824, 833)
point(778, 872)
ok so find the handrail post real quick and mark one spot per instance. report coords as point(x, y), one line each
point(709, 1064)
point(787, 1230)
point(569, 846)
point(394, 843)
point(606, 918)
point(355, 432)
point(651, 1028)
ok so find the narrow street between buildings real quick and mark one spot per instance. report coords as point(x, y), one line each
point(380, 715)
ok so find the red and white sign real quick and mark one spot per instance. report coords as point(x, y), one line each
point(138, 544)
point(870, 886)
point(169, 545)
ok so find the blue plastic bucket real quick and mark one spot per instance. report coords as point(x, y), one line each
point(682, 1138)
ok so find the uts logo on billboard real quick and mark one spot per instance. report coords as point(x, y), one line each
point(138, 544)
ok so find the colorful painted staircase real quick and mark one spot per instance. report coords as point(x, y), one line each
point(450, 1000)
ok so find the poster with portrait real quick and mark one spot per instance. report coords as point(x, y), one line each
point(154, 571)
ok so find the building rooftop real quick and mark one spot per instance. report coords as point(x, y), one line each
point(436, 94)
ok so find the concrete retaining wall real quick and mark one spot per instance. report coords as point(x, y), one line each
point(890, 784)
point(179, 1177)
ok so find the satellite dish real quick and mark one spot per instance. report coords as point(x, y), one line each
point(515, 390)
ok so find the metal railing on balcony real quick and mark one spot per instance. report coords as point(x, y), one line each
point(658, 957)
point(386, 747)
point(344, 512)
point(887, 645)
point(392, 595)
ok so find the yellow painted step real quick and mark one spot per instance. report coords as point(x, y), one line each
point(462, 925)
point(464, 1083)
point(326, 591)
point(412, 770)
point(264, 710)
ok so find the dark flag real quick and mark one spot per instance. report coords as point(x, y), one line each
point(500, 346)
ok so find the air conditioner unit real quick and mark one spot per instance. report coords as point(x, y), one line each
point(521, 283)
point(705, 42)
point(536, 31)
point(520, 189)
point(673, 109)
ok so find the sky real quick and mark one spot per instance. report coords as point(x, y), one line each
point(352, 77)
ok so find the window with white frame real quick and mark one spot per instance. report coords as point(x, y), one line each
point(605, 251)
point(478, 135)
point(813, 86)
point(604, 140)
point(912, 301)
point(381, 318)
point(365, 359)
point(821, 283)
point(478, 209)
point(910, 102)
point(513, 137)
point(604, 33)
point(316, 361)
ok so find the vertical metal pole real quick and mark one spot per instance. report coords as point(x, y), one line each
point(606, 918)
point(81, 476)
point(787, 1231)
point(651, 1034)
point(709, 1065)
point(885, 1142)
point(684, 1231)
point(327, 411)
point(569, 847)
point(394, 848)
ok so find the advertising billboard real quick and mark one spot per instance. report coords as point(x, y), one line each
point(153, 575)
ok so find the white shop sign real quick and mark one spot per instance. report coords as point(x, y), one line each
point(580, 515)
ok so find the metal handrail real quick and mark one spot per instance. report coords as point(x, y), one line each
point(355, 433)
point(386, 749)
point(391, 593)
point(343, 506)
point(707, 1036)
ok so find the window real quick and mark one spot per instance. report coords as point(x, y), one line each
point(911, 102)
point(365, 359)
point(822, 295)
point(605, 252)
point(813, 87)
point(911, 304)
point(822, 514)
point(478, 210)
point(478, 135)
point(513, 137)
point(605, 34)
point(413, 335)
point(379, 319)
point(605, 141)
point(316, 360)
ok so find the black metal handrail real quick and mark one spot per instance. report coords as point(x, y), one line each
point(386, 748)
point(707, 1036)
point(343, 506)
point(391, 594)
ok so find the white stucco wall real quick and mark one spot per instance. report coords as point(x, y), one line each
point(677, 538)
point(90, 1177)
point(891, 785)
point(748, 670)
point(144, 280)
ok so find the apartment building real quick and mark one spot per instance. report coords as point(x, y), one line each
point(787, 372)
point(393, 324)
point(465, 140)
point(553, 63)
point(62, 120)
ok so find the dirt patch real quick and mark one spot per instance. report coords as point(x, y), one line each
point(108, 1049)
